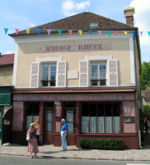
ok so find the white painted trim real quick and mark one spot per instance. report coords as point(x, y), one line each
point(132, 68)
point(15, 66)
point(49, 59)
point(91, 58)
point(44, 38)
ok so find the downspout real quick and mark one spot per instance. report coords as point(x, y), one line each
point(137, 88)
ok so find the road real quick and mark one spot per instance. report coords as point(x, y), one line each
point(12, 160)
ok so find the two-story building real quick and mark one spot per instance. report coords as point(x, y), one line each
point(6, 74)
point(84, 68)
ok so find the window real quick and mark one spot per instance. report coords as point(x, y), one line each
point(70, 120)
point(49, 120)
point(48, 75)
point(100, 118)
point(32, 110)
point(98, 74)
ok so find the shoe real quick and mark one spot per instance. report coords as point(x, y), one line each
point(31, 157)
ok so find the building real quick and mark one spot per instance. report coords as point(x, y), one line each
point(6, 74)
point(90, 79)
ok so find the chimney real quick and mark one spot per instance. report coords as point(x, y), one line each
point(128, 12)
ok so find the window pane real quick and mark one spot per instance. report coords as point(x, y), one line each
point(102, 68)
point(116, 124)
point(49, 120)
point(45, 72)
point(92, 110)
point(108, 124)
point(49, 116)
point(100, 124)
point(70, 116)
point(116, 109)
point(29, 121)
point(53, 72)
point(70, 127)
point(94, 82)
point(85, 125)
point(85, 109)
point(108, 111)
point(100, 110)
point(93, 124)
point(94, 73)
point(35, 118)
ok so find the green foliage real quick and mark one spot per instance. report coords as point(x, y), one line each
point(146, 111)
point(145, 75)
point(102, 144)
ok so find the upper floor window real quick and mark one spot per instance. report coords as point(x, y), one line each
point(98, 74)
point(48, 75)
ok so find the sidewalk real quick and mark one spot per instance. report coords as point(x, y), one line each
point(49, 151)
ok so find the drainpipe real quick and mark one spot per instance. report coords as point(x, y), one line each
point(137, 92)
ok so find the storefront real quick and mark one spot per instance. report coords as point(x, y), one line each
point(92, 114)
point(5, 113)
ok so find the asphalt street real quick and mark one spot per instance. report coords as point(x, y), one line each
point(13, 160)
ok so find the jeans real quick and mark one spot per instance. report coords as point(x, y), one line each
point(64, 140)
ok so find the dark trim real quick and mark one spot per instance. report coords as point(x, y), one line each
point(75, 90)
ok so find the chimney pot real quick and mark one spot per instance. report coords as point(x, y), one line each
point(129, 12)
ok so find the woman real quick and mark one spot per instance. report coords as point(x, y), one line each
point(37, 126)
point(32, 143)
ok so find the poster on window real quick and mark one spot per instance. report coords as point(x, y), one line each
point(70, 116)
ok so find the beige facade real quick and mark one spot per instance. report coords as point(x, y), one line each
point(31, 51)
point(6, 74)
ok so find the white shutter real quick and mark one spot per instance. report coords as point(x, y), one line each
point(34, 75)
point(83, 73)
point(112, 73)
point(61, 74)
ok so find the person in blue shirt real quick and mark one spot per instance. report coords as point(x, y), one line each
point(64, 130)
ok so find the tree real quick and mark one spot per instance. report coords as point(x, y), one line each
point(145, 75)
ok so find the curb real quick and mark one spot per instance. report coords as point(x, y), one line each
point(54, 157)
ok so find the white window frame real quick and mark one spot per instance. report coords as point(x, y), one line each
point(49, 73)
point(98, 72)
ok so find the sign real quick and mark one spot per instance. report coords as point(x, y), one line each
point(129, 119)
point(72, 74)
point(70, 48)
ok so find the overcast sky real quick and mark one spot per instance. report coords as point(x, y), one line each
point(23, 14)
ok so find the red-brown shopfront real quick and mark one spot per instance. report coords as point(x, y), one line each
point(104, 113)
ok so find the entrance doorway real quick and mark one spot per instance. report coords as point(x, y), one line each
point(48, 122)
point(69, 115)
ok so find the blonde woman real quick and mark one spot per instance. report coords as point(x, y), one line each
point(32, 143)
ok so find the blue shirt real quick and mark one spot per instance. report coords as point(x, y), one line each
point(64, 127)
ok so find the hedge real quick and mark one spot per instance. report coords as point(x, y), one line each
point(102, 144)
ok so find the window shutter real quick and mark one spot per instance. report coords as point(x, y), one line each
point(112, 73)
point(83, 74)
point(61, 74)
point(34, 75)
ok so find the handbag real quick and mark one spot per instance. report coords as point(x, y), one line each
point(28, 136)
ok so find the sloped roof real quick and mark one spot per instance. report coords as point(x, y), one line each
point(6, 59)
point(80, 21)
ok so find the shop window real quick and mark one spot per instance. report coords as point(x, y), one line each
point(32, 110)
point(48, 75)
point(49, 120)
point(98, 74)
point(70, 120)
point(100, 118)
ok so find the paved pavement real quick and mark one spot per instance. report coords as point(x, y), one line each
point(49, 151)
